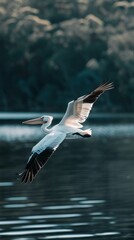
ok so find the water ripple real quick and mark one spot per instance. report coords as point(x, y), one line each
point(24, 238)
point(36, 226)
point(6, 184)
point(12, 222)
point(62, 207)
point(70, 236)
point(51, 216)
point(78, 198)
point(16, 198)
point(96, 213)
point(107, 234)
point(103, 218)
point(79, 224)
point(20, 205)
point(92, 201)
point(15, 233)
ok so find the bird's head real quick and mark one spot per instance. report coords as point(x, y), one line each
point(45, 120)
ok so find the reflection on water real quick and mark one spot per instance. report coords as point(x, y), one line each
point(86, 190)
point(25, 133)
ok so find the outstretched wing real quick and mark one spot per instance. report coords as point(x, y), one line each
point(41, 152)
point(78, 110)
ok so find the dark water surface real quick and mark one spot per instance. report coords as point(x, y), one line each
point(86, 190)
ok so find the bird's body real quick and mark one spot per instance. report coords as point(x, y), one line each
point(77, 112)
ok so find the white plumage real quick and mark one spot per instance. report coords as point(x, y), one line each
point(52, 140)
point(77, 112)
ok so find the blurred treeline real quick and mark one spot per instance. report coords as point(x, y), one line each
point(52, 51)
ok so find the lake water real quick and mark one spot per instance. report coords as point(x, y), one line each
point(86, 190)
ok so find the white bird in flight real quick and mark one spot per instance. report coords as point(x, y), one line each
point(77, 112)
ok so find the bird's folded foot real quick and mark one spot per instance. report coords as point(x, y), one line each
point(85, 134)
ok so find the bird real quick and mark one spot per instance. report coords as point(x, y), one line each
point(76, 114)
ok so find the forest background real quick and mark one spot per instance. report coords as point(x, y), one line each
point(52, 51)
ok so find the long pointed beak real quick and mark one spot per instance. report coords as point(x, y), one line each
point(34, 121)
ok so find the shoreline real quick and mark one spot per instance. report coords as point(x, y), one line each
point(13, 117)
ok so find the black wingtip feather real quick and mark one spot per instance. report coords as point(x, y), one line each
point(34, 165)
point(93, 96)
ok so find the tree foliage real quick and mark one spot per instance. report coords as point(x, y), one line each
point(55, 50)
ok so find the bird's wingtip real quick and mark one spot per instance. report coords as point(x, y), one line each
point(106, 86)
